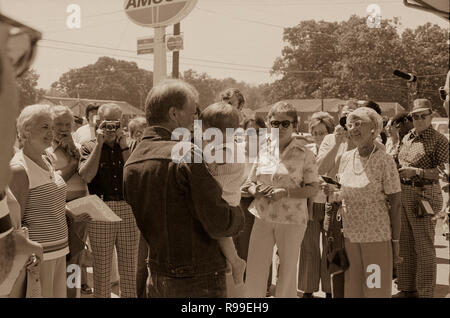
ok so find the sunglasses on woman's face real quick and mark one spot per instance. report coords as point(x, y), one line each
point(421, 116)
point(284, 123)
point(355, 124)
point(20, 44)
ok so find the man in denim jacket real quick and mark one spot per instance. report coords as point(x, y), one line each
point(178, 205)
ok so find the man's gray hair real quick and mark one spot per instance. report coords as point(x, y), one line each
point(111, 107)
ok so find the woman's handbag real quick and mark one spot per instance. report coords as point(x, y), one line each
point(337, 261)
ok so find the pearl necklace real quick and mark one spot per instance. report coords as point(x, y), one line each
point(367, 162)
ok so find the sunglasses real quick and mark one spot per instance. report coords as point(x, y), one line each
point(420, 117)
point(442, 93)
point(355, 124)
point(284, 123)
point(20, 44)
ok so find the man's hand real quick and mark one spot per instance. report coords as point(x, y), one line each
point(407, 172)
point(67, 143)
point(100, 134)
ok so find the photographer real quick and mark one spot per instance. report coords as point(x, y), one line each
point(423, 151)
point(101, 166)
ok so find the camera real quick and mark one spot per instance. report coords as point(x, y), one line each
point(108, 125)
point(111, 126)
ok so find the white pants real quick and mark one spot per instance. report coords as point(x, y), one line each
point(53, 278)
point(288, 238)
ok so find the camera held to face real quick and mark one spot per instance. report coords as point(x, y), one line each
point(108, 125)
point(111, 126)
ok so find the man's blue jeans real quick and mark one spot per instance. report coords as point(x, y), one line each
point(202, 286)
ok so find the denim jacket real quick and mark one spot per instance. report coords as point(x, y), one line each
point(178, 208)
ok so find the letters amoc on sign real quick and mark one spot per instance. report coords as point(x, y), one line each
point(158, 13)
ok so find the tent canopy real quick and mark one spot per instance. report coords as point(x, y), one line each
point(78, 106)
point(330, 105)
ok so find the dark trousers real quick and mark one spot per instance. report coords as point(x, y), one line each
point(77, 234)
point(313, 263)
point(142, 271)
point(242, 240)
point(201, 286)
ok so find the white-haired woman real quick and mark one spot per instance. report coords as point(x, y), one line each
point(41, 193)
point(370, 193)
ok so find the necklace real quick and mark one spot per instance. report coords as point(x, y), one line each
point(367, 162)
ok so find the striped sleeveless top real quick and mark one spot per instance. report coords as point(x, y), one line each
point(45, 210)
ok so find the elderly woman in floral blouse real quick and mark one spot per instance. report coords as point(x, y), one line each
point(282, 179)
point(370, 194)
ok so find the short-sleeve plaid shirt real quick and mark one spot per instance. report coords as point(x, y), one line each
point(426, 150)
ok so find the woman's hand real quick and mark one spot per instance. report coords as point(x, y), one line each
point(328, 189)
point(260, 190)
point(277, 194)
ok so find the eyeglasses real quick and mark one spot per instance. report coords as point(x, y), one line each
point(355, 124)
point(442, 93)
point(20, 44)
point(284, 123)
point(420, 117)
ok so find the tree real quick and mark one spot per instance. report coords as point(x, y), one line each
point(107, 79)
point(28, 91)
point(353, 60)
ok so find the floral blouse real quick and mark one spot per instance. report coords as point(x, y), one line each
point(365, 207)
point(295, 167)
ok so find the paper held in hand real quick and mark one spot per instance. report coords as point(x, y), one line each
point(95, 207)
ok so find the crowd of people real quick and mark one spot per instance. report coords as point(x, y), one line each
point(209, 229)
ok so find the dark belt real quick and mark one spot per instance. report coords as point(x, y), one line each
point(112, 197)
point(420, 183)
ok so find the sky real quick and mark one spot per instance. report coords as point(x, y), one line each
point(223, 38)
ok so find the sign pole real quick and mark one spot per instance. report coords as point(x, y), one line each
point(160, 61)
point(176, 54)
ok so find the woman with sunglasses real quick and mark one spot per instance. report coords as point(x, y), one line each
point(312, 267)
point(370, 194)
point(282, 179)
point(424, 151)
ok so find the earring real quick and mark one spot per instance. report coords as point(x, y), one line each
point(372, 131)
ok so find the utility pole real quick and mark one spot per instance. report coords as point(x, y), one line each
point(176, 54)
